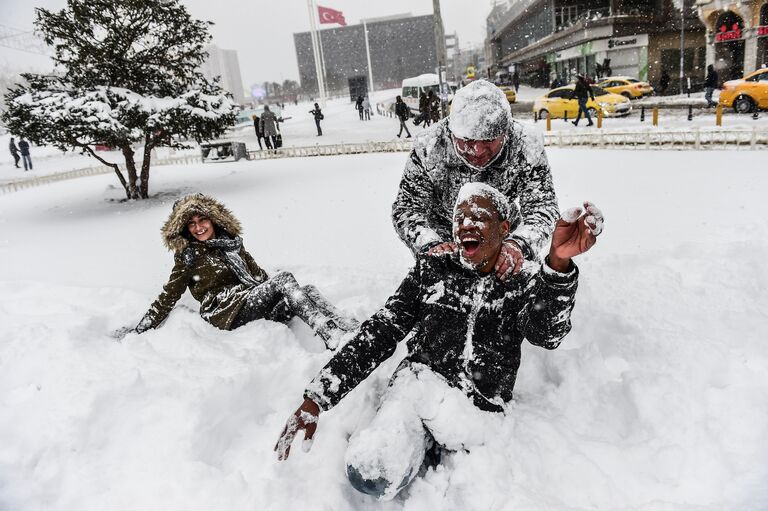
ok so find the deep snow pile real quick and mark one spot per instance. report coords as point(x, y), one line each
point(656, 400)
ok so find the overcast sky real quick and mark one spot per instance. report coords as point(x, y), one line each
point(262, 31)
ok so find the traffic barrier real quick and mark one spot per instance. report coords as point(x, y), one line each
point(753, 138)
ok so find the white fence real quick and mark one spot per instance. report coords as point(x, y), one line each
point(650, 138)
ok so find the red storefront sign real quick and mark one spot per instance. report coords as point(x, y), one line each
point(762, 30)
point(728, 35)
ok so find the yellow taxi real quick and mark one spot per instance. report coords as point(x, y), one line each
point(748, 93)
point(628, 87)
point(557, 103)
point(509, 92)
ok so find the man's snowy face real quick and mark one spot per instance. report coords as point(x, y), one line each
point(479, 231)
point(200, 227)
point(479, 153)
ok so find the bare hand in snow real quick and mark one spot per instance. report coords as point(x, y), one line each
point(510, 260)
point(122, 332)
point(575, 233)
point(305, 418)
point(443, 248)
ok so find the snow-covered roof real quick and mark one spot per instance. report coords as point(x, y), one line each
point(421, 80)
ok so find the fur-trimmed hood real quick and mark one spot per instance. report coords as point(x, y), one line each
point(174, 229)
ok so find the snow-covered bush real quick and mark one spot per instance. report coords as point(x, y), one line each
point(127, 75)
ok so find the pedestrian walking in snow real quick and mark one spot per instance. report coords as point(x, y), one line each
point(359, 107)
point(367, 108)
point(434, 106)
point(403, 113)
point(582, 92)
point(24, 150)
point(516, 80)
point(711, 82)
point(257, 129)
point(663, 82)
point(14, 152)
point(269, 127)
point(478, 141)
point(211, 261)
point(466, 330)
point(318, 115)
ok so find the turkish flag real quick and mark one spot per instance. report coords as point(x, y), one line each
point(331, 16)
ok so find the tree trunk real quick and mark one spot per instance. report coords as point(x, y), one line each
point(145, 164)
point(130, 166)
point(114, 166)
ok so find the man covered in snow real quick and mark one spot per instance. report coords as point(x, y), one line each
point(464, 329)
point(477, 142)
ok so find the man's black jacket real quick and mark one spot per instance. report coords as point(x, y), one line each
point(467, 326)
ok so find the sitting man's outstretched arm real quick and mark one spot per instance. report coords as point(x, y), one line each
point(355, 361)
point(546, 319)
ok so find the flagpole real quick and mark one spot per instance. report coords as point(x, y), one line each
point(316, 52)
point(322, 57)
point(368, 55)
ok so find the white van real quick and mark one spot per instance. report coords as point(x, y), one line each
point(413, 87)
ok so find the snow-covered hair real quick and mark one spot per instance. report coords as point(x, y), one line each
point(499, 201)
point(480, 111)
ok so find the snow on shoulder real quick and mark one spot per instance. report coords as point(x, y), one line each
point(480, 111)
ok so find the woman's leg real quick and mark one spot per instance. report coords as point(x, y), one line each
point(345, 321)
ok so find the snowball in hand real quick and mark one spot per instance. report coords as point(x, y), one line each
point(480, 111)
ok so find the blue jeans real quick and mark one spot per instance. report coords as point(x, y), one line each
point(708, 96)
point(583, 108)
point(27, 161)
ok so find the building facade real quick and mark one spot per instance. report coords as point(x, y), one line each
point(737, 35)
point(400, 48)
point(224, 63)
point(548, 39)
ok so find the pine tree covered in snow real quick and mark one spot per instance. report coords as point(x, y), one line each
point(127, 75)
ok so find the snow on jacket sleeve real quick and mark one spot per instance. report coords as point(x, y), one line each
point(256, 270)
point(546, 318)
point(410, 214)
point(538, 202)
point(375, 342)
point(172, 291)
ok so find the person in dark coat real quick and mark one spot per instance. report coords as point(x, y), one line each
point(210, 261)
point(478, 141)
point(14, 152)
point(269, 127)
point(24, 150)
point(403, 113)
point(465, 329)
point(359, 107)
point(434, 106)
point(257, 129)
point(516, 80)
point(423, 111)
point(711, 82)
point(582, 92)
point(318, 115)
point(663, 82)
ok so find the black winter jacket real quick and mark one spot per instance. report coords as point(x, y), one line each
point(711, 81)
point(423, 210)
point(467, 326)
point(402, 111)
point(24, 148)
point(582, 91)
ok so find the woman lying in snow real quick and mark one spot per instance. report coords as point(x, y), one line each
point(232, 289)
point(463, 357)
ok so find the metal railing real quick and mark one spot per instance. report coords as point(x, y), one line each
point(753, 138)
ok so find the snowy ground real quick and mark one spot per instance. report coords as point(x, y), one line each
point(342, 125)
point(656, 400)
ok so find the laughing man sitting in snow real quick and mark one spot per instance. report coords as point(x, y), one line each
point(478, 142)
point(465, 348)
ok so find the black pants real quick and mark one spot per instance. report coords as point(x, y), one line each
point(319, 130)
point(16, 159)
point(403, 126)
point(360, 111)
point(270, 141)
point(258, 139)
point(280, 298)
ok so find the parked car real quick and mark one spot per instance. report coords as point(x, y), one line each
point(747, 94)
point(557, 103)
point(509, 91)
point(630, 88)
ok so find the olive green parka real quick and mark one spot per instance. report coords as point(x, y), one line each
point(200, 268)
